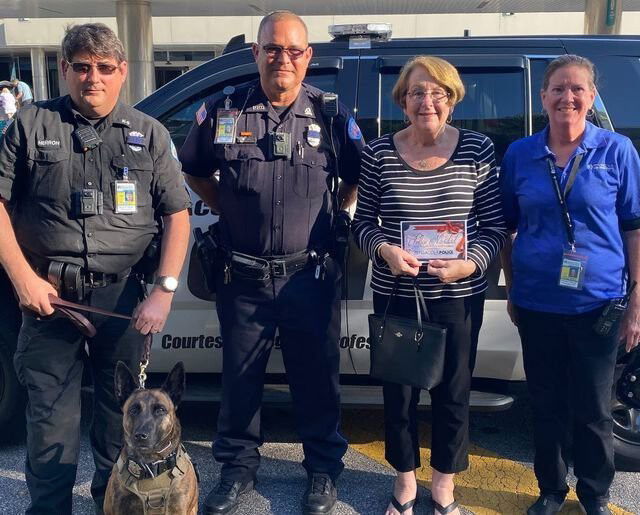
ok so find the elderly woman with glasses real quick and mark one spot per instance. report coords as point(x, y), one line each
point(572, 194)
point(430, 172)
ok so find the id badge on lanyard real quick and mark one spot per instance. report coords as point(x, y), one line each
point(573, 266)
point(572, 270)
point(226, 123)
point(126, 194)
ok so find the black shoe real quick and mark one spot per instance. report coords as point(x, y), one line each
point(224, 498)
point(320, 496)
point(595, 507)
point(545, 505)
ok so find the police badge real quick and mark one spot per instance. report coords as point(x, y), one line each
point(313, 135)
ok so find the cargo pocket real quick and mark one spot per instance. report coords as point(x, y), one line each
point(48, 170)
point(246, 174)
point(310, 178)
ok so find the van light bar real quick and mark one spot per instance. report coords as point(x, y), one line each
point(376, 30)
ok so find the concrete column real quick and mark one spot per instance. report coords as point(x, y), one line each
point(602, 16)
point(40, 88)
point(136, 33)
point(62, 84)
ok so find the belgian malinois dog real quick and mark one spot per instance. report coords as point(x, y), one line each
point(153, 474)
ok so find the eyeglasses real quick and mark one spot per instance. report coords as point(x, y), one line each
point(418, 95)
point(577, 90)
point(276, 51)
point(83, 68)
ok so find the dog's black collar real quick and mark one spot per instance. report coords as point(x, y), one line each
point(142, 470)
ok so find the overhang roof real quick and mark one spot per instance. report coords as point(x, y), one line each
point(102, 8)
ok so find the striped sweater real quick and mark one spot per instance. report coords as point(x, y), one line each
point(464, 188)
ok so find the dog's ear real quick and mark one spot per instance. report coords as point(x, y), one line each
point(175, 383)
point(125, 383)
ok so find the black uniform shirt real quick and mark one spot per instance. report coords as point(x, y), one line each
point(271, 205)
point(42, 164)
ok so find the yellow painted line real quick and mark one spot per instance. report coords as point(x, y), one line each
point(491, 485)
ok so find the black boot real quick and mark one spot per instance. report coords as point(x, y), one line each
point(595, 507)
point(546, 505)
point(224, 498)
point(320, 496)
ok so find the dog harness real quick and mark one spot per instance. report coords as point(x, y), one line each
point(153, 483)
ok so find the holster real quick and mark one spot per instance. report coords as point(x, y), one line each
point(67, 279)
point(211, 255)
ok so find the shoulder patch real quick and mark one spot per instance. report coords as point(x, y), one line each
point(201, 114)
point(353, 130)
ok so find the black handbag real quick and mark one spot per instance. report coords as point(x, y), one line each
point(407, 350)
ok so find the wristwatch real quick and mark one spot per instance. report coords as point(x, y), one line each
point(167, 283)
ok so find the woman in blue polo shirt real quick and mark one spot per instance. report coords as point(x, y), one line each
point(565, 265)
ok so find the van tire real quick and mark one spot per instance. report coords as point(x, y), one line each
point(12, 398)
point(626, 430)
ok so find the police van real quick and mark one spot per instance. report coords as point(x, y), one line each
point(502, 77)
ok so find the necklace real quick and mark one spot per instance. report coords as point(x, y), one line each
point(422, 164)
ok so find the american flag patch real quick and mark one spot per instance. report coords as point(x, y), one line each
point(201, 114)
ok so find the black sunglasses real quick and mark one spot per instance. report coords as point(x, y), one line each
point(83, 68)
point(276, 50)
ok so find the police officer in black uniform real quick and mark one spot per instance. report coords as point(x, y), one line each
point(277, 150)
point(84, 177)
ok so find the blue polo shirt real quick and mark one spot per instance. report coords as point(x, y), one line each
point(603, 202)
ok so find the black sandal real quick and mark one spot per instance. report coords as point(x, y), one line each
point(403, 507)
point(443, 510)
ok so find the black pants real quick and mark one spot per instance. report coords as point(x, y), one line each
point(49, 362)
point(570, 371)
point(449, 400)
point(306, 312)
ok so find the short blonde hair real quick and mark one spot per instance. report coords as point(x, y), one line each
point(443, 72)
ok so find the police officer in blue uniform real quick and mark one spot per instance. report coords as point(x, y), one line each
point(277, 150)
point(85, 178)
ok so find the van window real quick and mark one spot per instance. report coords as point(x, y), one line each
point(178, 121)
point(539, 118)
point(494, 104)
point(618, 78)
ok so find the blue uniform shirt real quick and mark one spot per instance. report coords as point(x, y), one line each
point(603, 202)
point(272, 205)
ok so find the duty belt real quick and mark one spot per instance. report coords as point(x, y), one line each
point(270, 266)
point(54, 271)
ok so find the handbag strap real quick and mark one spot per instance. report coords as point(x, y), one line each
point(394, 290)
point(421, 305)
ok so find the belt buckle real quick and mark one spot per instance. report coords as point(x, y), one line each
point(94, 283)
point(279, 268)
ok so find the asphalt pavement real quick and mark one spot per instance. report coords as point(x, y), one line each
point(499, 479)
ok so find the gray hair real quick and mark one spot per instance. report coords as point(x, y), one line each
point(569, 60)
point(275, 16)
point(93, 38)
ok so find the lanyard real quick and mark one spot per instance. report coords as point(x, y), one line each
point(562, 196)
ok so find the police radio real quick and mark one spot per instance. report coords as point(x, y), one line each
point(88, 137)
point(612, 313)
point(329, 104)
